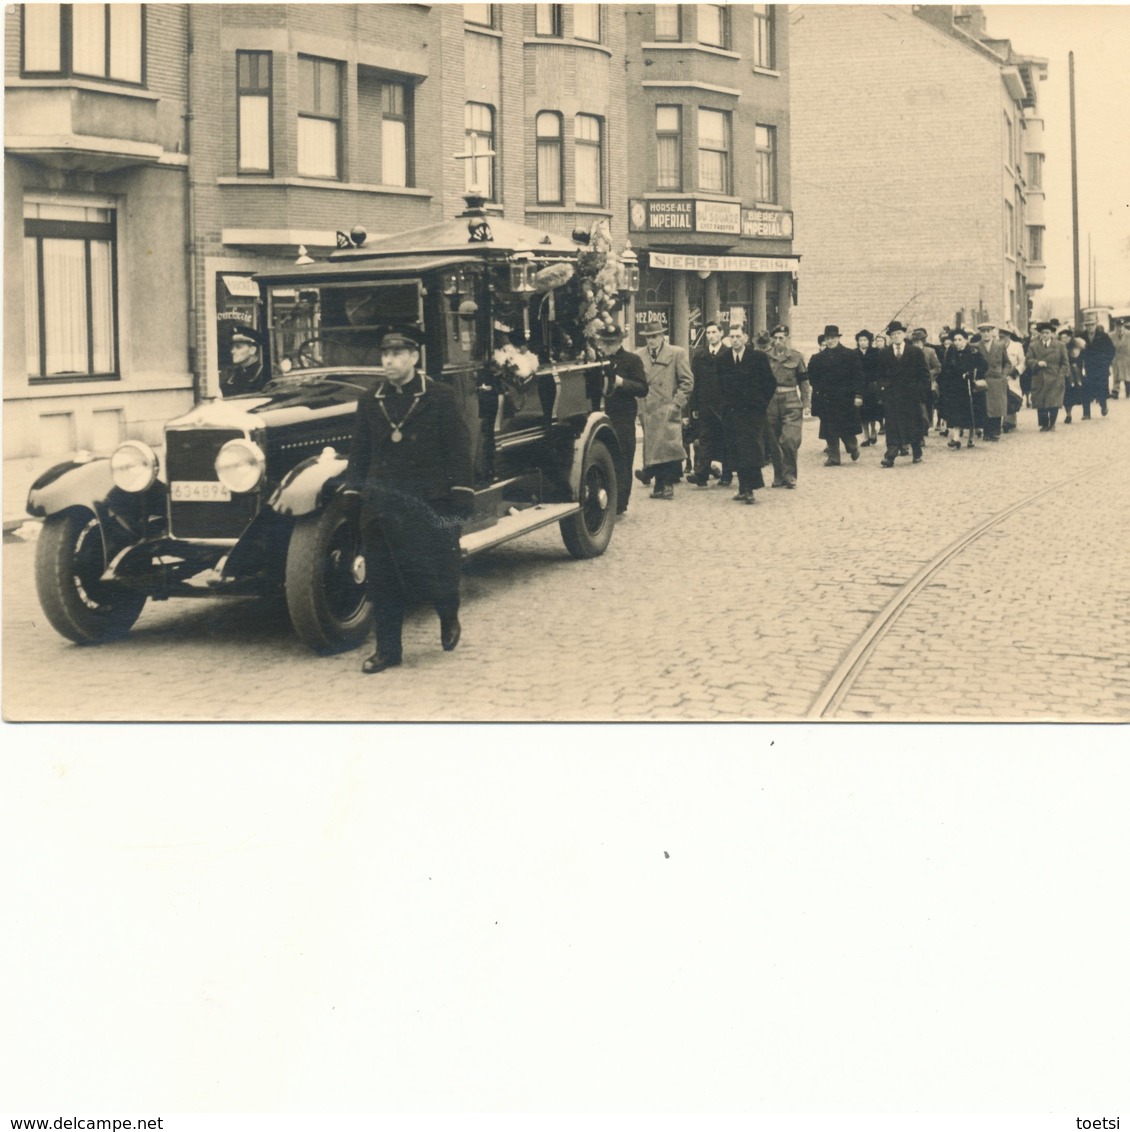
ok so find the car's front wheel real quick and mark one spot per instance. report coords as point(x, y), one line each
point(325, 581)
point(586, 533)
point(69, 562)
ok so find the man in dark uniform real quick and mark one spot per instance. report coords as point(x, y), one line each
point(836, 376)
point(410, 470)
point(628, 383)
point(247, 374)
point(706, 407)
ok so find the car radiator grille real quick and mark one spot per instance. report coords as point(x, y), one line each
point(191, 456)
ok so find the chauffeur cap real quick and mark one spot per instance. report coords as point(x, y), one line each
point(402, 338)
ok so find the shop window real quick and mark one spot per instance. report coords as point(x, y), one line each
point(98, 41)
point(765, 155)
point(589, 157)
point(586, 22)
point(764, 47)
point(396, 134)
point(667, 22)
point(253, 124)
point(714, 151)
point(547, 20)
point(713, 25)
point(551, 187)
point(70, 301)
point(669, 148)
point(319, 117)
point(478, 132)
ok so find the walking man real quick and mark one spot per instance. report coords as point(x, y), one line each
point(785, 415)
point(836, 375)
point(667, 370)
point(906, 391)
point(747, 388)
point(410, 472)
point(706, 408)
point(1048, 364)
point(627, 384)
point(995, 353)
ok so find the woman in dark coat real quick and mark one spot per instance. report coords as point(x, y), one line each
point(962, 403)
point(871, 413)
point(1073, 386)
point(1097, 358)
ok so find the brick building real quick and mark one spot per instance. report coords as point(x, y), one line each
point(709, 163)
point(207, 142)
point(917, 157)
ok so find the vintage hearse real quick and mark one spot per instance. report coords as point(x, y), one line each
point(244, 500)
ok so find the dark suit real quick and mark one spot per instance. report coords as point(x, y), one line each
point(414, 491)
point(836, 376)
point(905, 387)
point(621, 407)
point(707, 405)
point(748, 386)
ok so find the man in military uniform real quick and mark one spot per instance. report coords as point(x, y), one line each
point(410, 475)
point(628, 384)
point(785, 414)
point(247, 374)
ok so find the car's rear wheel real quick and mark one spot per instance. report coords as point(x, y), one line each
point(69, 562)
point(586, 533)
point(325, 581)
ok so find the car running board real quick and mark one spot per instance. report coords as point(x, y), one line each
point(516, 524)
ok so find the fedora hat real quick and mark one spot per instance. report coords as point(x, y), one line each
point(831, 331)
point(896, 325)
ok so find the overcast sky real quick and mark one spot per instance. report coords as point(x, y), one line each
point(1100, 38)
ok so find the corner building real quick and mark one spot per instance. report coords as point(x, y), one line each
point(709, 201)
point(918, 151)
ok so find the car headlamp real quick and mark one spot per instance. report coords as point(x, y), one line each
point(133, 466)
point(240, 465)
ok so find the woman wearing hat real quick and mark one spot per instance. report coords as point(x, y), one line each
point(1073, 386)
point(1049, 366)
point(962, 402)
point(871, 412)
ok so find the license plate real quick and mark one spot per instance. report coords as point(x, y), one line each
point(199, 491)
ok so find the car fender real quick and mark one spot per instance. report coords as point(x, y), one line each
point(597, 427)
point(302, 490)
point(74, 483)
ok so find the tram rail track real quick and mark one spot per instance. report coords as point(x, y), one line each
point(839, 685)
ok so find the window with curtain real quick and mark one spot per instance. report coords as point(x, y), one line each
point(588, 146)
point(764, 53)
point(547, 20)
point(765, 153)
point(319, 117)
point(669, 148)
point(551, 186)
point(478, 126)
point(253, 81)
point(713, 25)
point(69, 300)
point(714, 151)
point(100, 41)
point(396, 133)
point(586, 22)
point(667, 24)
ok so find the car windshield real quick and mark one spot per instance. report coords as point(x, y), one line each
point(336, 324)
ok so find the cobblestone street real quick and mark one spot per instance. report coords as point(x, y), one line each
point(700, 610)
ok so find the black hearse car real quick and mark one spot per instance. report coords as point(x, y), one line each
point(246, 500)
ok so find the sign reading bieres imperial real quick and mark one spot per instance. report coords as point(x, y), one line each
point(767, 223)
point(668, 261)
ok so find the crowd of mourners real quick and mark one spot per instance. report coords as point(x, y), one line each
point(733, 406)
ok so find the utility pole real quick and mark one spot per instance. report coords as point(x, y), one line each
point(1074, 189)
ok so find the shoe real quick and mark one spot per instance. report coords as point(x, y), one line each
point(778, 483)
point(699, 481)
point(854, 453)
point(831, 463)
point(656, 492)
point(866, 443)
point(668, 492)
point(744, 497)
point(917, 459)
point(449, 632)
point(790, 483)
point(646, 480)
point(725, 481)
point(1104, 408)
point(377, 663)
point(953, 444)
point(903, 450)
point(886, 462)
point(994, 436)
point(1067, 419)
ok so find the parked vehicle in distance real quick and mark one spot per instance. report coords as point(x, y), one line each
point(246, 502)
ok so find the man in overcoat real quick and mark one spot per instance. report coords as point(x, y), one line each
point(620, 403)
point(995, 353)
point(1048, 364)
point(410, 476)
point(706, 407)
point(748, 387)
point(670, 381)
point(836, 376)
point(905, 380)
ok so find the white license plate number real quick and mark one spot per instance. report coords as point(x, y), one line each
point(199, 491)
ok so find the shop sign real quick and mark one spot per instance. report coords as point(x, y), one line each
point(668, 261)
point(717, 216)
point(663, 215)
point(767, 223)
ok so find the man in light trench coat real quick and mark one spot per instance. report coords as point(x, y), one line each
point(669, 385)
